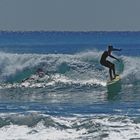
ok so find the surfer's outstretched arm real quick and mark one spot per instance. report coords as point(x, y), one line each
point(114, 57)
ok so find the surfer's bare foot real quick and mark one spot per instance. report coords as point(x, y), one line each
point(112, 79)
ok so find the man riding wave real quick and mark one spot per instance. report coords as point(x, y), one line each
point(107, 63)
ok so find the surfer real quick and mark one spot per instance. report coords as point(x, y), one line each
point(107, 63)
point(40, 72)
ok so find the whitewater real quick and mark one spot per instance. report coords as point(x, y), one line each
point(70, 100)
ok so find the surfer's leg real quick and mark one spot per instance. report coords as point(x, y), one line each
point(113, 69)
point(114, 73)
point(110, 66)
point(110, 73)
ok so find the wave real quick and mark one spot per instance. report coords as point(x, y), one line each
point(40, 126)
point(81, 68)
point(130, 75)
point(16, 67)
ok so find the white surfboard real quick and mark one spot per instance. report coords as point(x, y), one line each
point(117, 79)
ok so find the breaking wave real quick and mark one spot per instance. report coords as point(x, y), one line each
point(81, 68)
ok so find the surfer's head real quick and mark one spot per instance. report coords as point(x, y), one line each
point(110, 48)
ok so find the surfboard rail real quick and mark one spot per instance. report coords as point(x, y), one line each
point(117, 78)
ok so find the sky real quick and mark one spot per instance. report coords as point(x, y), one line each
point(70, 15)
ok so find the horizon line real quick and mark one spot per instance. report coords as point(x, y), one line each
point(68, 31)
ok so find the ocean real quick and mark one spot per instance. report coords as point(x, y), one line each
point(52, 86)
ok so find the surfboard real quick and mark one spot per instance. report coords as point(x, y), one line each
point(117, 79)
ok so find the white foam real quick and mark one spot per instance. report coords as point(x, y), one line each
point(131, 67)
point(63, 79)
point(52, 80)
point(110, 126)
point(39, 133)
point(77, 127)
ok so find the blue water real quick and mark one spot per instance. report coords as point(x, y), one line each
point(71, 100)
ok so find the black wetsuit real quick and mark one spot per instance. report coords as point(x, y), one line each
point(104, 60)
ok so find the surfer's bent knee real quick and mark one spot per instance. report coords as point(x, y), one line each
point(112, 66)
